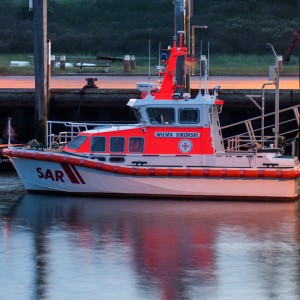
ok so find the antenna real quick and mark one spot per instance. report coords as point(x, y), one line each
point(159, 50)
point(149, 67)
point(9, 132)
point(200, 67)
point(206, 71)
point(207, 59)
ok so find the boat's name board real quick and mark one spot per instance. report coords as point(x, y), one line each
point(164, 134)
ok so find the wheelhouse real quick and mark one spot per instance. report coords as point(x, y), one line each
point(163, 129)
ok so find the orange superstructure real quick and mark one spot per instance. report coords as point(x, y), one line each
point(169, 123)
point(158, 140)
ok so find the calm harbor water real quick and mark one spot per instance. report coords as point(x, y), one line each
point(55, 247)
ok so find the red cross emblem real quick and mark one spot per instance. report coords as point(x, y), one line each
point(185, 146)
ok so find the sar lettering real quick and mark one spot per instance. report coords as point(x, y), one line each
point(55, 175)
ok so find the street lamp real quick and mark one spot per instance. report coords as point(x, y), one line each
point(274, 75)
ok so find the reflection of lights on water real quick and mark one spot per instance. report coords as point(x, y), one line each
point(5, 227)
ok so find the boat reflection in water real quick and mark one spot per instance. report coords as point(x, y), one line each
point(80, 248)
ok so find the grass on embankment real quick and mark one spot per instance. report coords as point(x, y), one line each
point(225, 65)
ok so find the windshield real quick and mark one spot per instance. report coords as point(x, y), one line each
point(77, 142)
point(161, 115)
point(138, 115)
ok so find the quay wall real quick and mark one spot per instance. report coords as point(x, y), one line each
point(109, 105)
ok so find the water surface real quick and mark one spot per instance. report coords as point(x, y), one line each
point(55, 247)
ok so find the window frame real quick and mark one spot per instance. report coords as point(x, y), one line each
point(98, 137)
point(180, 110)
point(110, 144)
point(142, 144)
point(77, 142)
point(159, 117)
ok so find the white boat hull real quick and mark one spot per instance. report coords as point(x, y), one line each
point(48, 176)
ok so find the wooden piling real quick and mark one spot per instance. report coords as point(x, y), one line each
point(41, 64)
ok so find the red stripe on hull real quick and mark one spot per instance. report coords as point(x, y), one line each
point(69, 173)
point(75, 177)
point(77, 174)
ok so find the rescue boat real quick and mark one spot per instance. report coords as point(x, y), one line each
point(175, 150)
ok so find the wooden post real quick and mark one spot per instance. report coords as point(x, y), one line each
point(179, 25)
point(48, 79)
point(40, 65)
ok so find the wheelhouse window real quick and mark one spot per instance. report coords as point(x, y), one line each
point(136, 144)
point(98, 144)
point(77, 142)
point(138, 115)
point(161, 115)
point(117, 144)
point(189, 115)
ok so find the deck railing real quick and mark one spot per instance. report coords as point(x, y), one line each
point(60, 133)
point(251, 134)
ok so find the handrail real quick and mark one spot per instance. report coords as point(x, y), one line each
point(64, 136)
point(249, 138)
point(259, 117)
